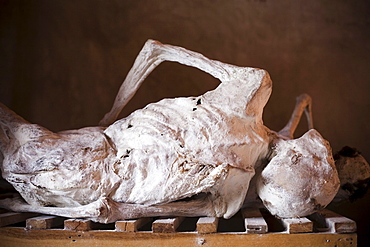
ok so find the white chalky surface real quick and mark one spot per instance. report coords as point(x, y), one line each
point(170, 150)
point(300, 178)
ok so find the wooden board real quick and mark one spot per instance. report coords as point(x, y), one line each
point(13, 218)
point(44, 222)
point(334, 230)
point(254, 221)
point(167, 225)
point(298, 225)
point(77, 225)
point(131, 225)
point(40, 238)
point(337, 223)
point(207, 225)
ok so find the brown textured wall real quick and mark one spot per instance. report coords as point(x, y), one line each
point(62, 62)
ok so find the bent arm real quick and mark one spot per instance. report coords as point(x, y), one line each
point(152, 54)
point(303, 104)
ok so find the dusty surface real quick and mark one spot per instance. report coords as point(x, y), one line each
point(65, 59)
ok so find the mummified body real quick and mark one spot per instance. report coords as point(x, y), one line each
point(206, 148)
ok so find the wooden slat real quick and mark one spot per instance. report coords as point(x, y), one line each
point(319, 222)
point(10, 237)
point(77, 225)
point(13, 218)
point(254, 221)
point(207, 225)
point(131, 225)
point(298, 225)
point(44, 222)
point(166, 225)
point(85, 236)
point(337, 223)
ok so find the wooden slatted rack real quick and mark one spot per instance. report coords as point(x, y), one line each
point(250, 227)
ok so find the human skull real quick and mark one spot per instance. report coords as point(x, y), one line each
point(300, 179)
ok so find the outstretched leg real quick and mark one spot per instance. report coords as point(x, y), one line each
point(201, 206)
point(92, 210)
point(106, 210)
point(303, 104)
point(154, 53)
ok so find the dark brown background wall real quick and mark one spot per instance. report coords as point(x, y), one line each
point(62, 62)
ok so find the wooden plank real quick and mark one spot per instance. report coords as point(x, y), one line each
point(131, 225)
point(10, 237)
point(44, 222)
point(77, 225)
point(319, 223)
point(337, 223)
point(166, 225)
point(254, 221)
point(297, 225)
point(13, 218)
point(207, 225)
